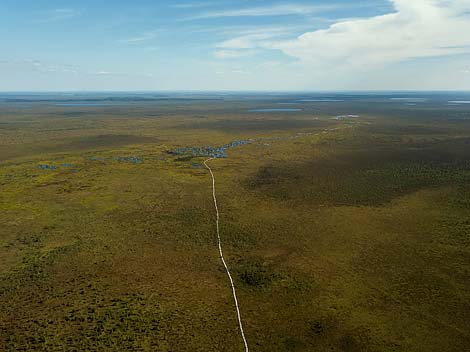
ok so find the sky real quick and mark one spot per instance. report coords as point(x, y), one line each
point(236, 45)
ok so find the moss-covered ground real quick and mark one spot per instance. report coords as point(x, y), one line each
point(342, 235)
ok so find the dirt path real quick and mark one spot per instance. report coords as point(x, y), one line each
point(234, 293)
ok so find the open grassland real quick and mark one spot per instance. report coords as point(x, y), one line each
point(342, 235)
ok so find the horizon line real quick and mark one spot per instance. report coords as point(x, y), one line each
point(237, 91)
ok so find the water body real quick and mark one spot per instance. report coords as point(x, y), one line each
point(410, 100)
point(47, 167)
point(213, 152)
point(342, 117)
point(85, 104)
point(321, 100)
point(460, 102)
point(275, 110)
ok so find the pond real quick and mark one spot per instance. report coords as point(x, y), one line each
point(213, 152)
point(321, 100)
point(275, 110)
point(85, 104)
point(409, 99)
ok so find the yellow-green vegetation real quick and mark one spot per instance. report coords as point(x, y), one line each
point(342, 235)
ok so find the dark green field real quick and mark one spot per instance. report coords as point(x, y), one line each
point(343, 234)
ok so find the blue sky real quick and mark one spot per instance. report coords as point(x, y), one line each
point(120, 45)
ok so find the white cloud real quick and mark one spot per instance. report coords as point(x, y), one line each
point(248, 41)
point(241, 72)
point(143, 37)
point(234, 54)
point(151, 48)
point(273, 10)
point(417, 29)
point(255, 38)
point(251, 41)
point(59, 15)
point(421, 44)
point(38, 66)
point(194, 5)
point(269, 65)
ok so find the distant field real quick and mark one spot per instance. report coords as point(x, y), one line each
point(344, 233)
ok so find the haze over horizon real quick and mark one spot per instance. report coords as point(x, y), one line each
point(193, 45)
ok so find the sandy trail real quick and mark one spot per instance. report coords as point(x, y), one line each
point(234, 293)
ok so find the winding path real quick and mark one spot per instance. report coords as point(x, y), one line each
point(234, 293)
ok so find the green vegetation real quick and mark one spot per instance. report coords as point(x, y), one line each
point(342, 235)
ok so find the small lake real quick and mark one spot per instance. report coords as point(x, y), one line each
point(460, 102)
point(321, 100)
point(85, 104)
point(410, 100)
point(275, 110)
